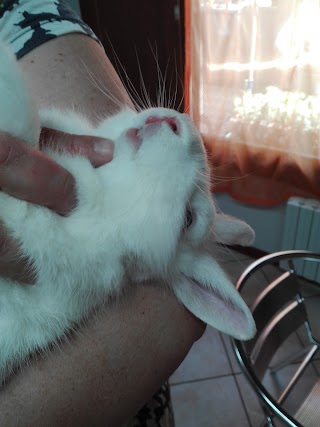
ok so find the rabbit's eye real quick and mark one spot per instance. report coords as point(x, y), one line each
point(188, 219)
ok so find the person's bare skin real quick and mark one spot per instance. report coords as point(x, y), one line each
point(124, 353)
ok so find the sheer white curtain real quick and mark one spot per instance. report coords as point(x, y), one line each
point(253, 88)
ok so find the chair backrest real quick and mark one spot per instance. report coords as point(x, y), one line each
point(278, 311)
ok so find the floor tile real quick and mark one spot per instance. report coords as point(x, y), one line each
point(206, 359)
point(303, 336)
point(252, 404)
point(292, 345)
point(204, 391)
point(209, 403)
point(276, 383)
point(233, 360)
point(316, 364)
point(250, 400)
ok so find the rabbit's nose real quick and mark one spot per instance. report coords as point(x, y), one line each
point(173, 122)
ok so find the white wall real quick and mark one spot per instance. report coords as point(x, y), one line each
point(268, 223)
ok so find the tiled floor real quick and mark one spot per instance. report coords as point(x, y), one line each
point(208, 389)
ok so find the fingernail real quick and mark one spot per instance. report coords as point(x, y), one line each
point(104, 148)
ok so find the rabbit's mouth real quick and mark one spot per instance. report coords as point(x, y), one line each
point(173, 123)
point(151, 125)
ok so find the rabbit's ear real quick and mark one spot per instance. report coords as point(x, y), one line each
point(207, 292)
point(232, 231)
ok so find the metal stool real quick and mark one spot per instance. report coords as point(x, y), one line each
point(284, 305)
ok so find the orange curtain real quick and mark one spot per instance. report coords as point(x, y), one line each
point(252, 80)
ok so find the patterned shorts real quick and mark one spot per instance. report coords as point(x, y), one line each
point(157, 412)
point(26, 24)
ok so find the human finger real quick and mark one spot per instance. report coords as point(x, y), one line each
point(28, 174)
point(97, 150)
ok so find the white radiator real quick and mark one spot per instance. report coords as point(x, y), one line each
point(302, 231)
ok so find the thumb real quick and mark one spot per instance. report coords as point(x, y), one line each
point(98, 151)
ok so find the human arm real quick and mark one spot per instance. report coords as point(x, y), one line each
point(118, 359)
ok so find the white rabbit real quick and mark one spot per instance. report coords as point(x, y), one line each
point(145, 215)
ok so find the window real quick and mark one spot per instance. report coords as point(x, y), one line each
point(253, 87)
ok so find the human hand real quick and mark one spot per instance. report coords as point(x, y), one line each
point(27, 173)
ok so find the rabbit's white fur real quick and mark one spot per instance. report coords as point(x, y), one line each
point(127, 226)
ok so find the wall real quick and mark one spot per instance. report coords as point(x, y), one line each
point(146, 38)
point(268, 223)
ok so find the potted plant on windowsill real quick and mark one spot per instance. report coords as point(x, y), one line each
point(279, 119)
